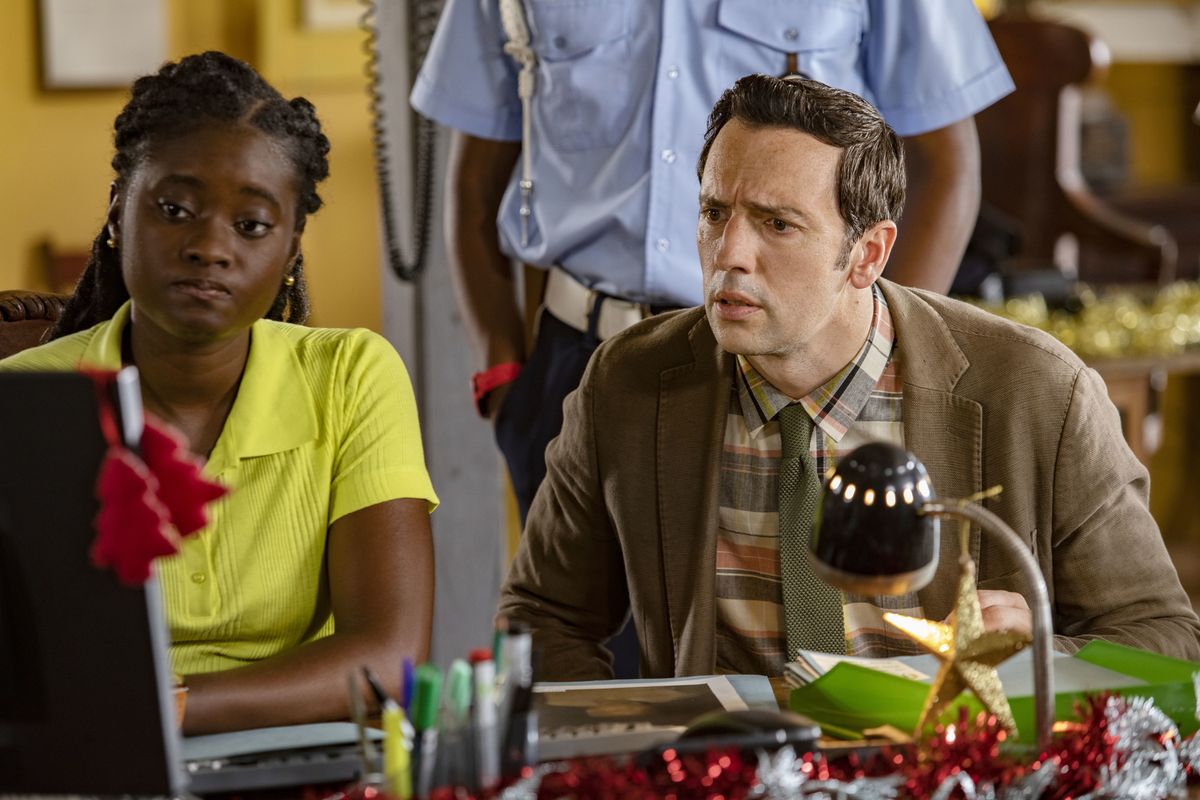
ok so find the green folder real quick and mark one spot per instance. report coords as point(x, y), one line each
point(850, 698)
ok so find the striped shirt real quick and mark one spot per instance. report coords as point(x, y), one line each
point(862, 403)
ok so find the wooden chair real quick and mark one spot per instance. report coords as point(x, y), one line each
point(1029, 147)
point(62, 268)
point(26, 318)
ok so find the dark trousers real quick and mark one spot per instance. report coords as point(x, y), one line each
point(532, 415)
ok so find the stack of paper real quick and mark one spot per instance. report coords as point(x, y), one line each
point(811, 665)
point(605, 717)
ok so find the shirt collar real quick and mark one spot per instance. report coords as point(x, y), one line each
point(274, 410)
point(835, 405)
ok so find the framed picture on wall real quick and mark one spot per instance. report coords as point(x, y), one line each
point(332, 14)
point(97, 44)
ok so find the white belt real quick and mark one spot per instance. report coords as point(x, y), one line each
point(572, 302)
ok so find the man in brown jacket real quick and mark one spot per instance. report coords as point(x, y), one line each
point(661, 497)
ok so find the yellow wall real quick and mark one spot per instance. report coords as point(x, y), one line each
point(56, 145)
point(1151, 98)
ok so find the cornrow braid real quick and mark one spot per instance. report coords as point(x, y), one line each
point(211, 88)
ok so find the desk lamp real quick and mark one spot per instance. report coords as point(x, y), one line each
point(877, 533)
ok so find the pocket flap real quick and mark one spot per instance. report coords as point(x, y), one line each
point(794, 25)
point(561, 29)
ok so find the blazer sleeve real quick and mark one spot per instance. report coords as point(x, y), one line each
point(1113, 578)
point(567, 581)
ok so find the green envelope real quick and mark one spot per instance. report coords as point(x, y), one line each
point(850, 698)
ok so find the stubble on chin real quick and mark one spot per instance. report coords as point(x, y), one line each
point(735, 337)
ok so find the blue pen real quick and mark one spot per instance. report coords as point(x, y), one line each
point(408, 684)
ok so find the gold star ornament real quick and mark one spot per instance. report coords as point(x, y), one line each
point(968, 655)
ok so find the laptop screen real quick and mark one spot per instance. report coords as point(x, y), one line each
point(85, 702)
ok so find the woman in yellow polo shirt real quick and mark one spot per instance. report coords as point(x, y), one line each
point(197, 278)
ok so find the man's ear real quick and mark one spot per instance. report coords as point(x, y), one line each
point(870, 253)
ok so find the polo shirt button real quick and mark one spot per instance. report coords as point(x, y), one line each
point(199, 577)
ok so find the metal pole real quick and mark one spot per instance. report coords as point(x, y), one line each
point(1043, 630)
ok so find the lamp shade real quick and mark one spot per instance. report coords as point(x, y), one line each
point(870, 536)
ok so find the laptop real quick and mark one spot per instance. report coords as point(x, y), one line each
point(85, 680)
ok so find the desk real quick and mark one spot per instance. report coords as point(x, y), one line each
point(1132, 381)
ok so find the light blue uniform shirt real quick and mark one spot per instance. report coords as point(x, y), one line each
point(624, 88)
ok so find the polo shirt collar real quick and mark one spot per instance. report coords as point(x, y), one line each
point(835, 405)
point(274, 409)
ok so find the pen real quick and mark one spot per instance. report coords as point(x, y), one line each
point(520, 727)
point(408, 684)
point(425, 709)
point(487, 745)
point(455, 740)
point(515, 650)
point(397, 741)
point(358, 713)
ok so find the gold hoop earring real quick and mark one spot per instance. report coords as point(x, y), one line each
point(112, 243)
point(290, 280)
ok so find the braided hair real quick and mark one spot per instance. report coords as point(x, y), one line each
point(198, 91)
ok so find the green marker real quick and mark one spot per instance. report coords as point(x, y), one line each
point(425, 701)
point(458, 690)
point(424, 719)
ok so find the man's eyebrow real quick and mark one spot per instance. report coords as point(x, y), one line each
point(711, 201)
point(777, 211)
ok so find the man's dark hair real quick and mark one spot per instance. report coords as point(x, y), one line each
point(209, 89)
point(870, 175)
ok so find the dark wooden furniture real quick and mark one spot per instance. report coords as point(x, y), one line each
point(1029, 147)
point(26, 318)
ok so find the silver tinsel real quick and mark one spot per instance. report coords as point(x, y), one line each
point(527, 788)
point(781, 776)
point(1031, 786)
point(1146, 763)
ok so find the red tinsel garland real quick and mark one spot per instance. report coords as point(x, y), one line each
point(1081, 749)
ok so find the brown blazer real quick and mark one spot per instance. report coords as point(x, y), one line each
point(626, 518)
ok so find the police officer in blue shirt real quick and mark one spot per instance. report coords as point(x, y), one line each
point(620, 94)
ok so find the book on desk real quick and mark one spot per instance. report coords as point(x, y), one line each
point(847, 696)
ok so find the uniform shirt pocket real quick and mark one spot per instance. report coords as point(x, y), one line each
point(825, 36)
point(582, 99)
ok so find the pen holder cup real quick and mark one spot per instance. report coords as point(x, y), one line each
point(180, 695)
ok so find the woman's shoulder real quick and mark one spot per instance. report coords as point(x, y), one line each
point(328, 343)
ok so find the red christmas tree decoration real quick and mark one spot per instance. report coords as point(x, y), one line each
point(132, 527)
point(181, 486)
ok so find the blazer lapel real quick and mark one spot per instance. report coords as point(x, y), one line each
point(943, 429)
point(693, 402)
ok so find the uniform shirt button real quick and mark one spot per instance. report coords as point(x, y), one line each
point(663, 245)
point(560, 42)
point(791, 34)
point(668, 156)
point(672, 72)
point(199, 578)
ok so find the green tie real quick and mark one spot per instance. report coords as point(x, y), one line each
point(812, 608)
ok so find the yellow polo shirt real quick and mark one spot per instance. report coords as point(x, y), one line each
point(324, 424)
